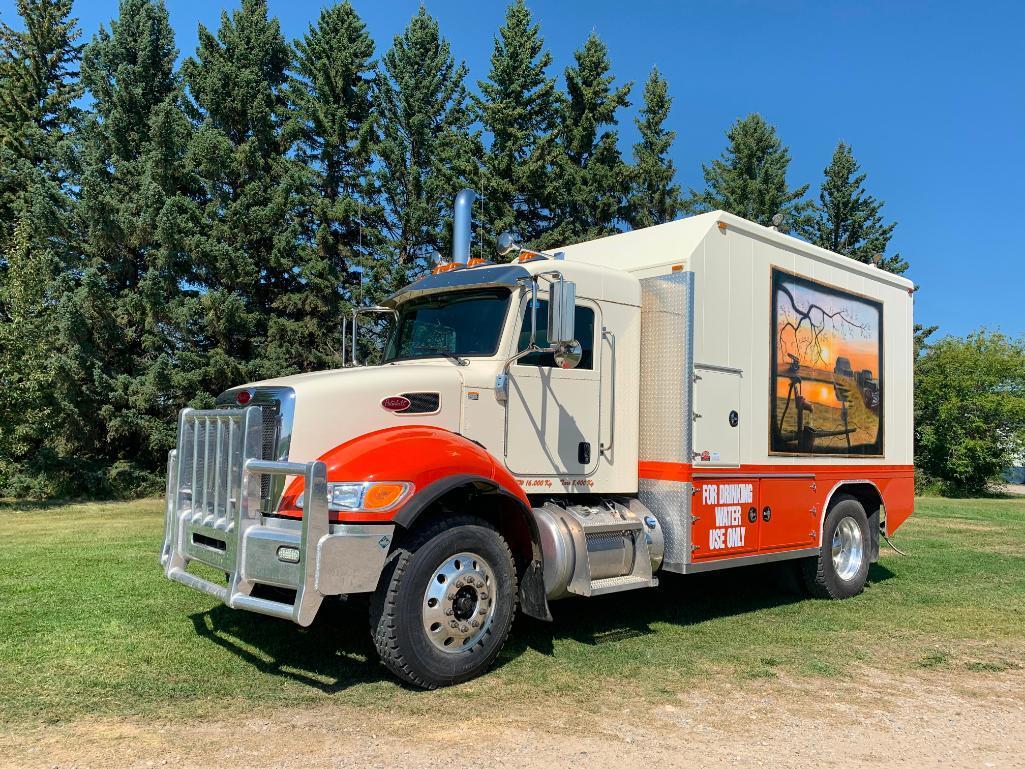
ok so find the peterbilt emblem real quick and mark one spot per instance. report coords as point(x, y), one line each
point(395, 403)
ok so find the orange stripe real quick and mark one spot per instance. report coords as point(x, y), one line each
point(679, 471)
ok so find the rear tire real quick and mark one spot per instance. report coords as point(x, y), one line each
point(841, 568)
point(458, 570)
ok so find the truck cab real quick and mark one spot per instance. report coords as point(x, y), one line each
point(550, 421)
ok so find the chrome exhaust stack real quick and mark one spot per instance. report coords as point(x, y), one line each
point(461, 219)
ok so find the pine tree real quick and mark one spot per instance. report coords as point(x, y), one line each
point(654, 198)
point(39, 72)
point(132, 283)
point(847, 219)
point(519, 108)
point(750, 179)
point(38, 88)
point(591, 178)
point(246, 241)
point(332, 102)
point(45, 435)
point(427, 150)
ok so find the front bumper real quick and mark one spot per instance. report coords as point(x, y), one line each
point(213, 517)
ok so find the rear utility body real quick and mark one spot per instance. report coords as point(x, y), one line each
point(698, 395)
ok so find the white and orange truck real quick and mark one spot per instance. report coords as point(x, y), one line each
point(699, 395)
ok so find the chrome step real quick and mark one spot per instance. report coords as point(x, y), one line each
point(618, 584)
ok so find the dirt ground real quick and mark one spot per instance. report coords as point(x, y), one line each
point(938, 718)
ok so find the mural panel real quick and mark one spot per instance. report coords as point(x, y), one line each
point(827, 380)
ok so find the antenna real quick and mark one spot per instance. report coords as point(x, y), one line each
point(481, 227)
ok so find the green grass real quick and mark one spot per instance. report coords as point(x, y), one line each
point(88, 625)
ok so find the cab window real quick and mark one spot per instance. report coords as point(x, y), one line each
point(584, 330)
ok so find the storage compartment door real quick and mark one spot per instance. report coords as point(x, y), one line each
point(790, 516)
point(717, 417)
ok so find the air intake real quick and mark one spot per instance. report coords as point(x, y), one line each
point(422, 403)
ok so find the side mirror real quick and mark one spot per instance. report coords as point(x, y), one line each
point(507, 243)
point(562, 300)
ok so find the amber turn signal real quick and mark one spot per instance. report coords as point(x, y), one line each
point(381, 496)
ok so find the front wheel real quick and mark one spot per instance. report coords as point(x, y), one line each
point(841, 568)
point(445, 604)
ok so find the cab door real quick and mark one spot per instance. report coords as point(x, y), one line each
point(553, 414)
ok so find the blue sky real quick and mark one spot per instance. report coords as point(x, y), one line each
point(930, 95)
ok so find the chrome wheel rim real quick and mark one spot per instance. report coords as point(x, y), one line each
point(848, 549)
point(459, 603)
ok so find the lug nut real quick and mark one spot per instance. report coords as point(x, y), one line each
point(464, 629)
point(453, 624)
point(448, 612)
point(474, 623)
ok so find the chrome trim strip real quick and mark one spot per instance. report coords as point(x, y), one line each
point(748, 560)
point(836, 487)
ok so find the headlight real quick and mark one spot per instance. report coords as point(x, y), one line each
point(368, 497)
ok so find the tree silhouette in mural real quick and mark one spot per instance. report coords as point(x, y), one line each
point(818, 321)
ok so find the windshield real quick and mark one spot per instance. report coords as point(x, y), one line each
point(464, 323)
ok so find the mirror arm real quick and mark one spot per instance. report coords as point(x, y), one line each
point(355, 314)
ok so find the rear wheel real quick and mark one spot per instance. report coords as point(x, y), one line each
point(841, 568)
point(446, 603)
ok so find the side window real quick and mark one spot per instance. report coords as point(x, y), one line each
point(585, 335)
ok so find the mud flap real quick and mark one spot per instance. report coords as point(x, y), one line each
point(873, 535)
point(533, 599)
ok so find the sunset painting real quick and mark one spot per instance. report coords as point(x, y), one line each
point(827, 380)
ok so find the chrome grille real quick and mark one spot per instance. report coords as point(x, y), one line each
point(269, 442)
point(278, 408)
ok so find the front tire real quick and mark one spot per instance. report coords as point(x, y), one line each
point(446, 603)
point(841, 568)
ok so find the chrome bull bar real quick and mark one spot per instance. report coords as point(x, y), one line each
point(213, 516)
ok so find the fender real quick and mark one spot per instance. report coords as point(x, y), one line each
point(435, 461)
point(430, 458)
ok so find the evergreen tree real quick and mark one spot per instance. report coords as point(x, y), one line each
point(427, 150)
point(132, 283)
point(519, 108)
point(29, 415)
point(246, 238)
point(38, 88)
point(654, 198)
point(848, 220)
point(750, 179)
point(592, 179)
point(45, 367)
point(332, 102)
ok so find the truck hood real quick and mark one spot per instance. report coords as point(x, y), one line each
point(332, 407)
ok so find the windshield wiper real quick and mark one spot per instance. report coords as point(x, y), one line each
point(451, 356)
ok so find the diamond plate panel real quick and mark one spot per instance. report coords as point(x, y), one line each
point(667, 364)
point(669, 502)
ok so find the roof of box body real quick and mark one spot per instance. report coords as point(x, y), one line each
point(675, 242)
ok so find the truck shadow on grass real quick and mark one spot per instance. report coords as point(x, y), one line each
point(336, 652)
point(679, 600)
